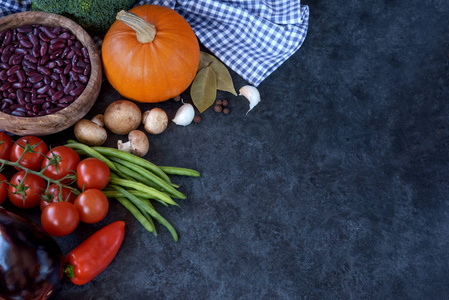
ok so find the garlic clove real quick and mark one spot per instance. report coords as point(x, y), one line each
point(252, 94)
point(185, 114)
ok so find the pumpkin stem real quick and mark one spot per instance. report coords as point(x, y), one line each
point(145, 31)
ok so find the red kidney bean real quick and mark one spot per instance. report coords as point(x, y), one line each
point(12, 70)
point(65, 52)
point(70, 54)
point(47, 32)
point(66, 99)
point(35, 78)
point(64, 79)
point(20, 51)
point(70, 86)
point(6, 56)
point(36, 108)
point(18, 85)
point(78, 70)
point(43, 37)
point(40, 66)
point(77, 91)
point(29, 64)
point(51, 64)
point(43, 70)
point(21, 75)
point(21, 102)
point(15, 59)
point(38, 85)
point(57, 53)
point(65, 35)
point(57, 95)
point(31, 58)
point(25, 43)
point(18, 113)
point(57, 46)
point(5, 86)
point(67, 69)
point(31, 73)
point(73, 75)
point(8, 38)
point(85, 52)
point(20, 94)
point(24, 28)
point(12, 78)
point(36, 51)
point(33, 39)
point(43, 90)
point(83, 79)
point(38, 101)
point(43, 49)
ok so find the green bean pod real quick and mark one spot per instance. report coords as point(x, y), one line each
point(145, 206)
point(180, 171)
point(144, 220)
point(140, 172)
point(111, 152)
point(152, 192)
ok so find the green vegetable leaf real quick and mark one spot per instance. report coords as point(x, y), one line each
point(204, 89)
point(224, 79)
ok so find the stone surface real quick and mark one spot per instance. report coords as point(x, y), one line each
point(334, 187)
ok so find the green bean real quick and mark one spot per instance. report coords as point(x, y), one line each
point(111, 152)
point(134, 175)
point(145, 206)
point(142, 172)
point(92, 153)
point(180, 171)
point(138, 214)
point(152, 192)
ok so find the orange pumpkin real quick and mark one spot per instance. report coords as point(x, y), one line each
point(150, 54)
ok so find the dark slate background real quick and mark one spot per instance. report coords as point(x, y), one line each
point(334, 187)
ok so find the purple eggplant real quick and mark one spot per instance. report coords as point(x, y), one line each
point(31, 262)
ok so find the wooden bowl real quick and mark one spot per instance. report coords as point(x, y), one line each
point(58, 121)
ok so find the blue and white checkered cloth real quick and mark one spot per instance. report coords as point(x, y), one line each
point(252, 37)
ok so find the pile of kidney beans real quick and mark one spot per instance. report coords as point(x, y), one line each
point(42, 70)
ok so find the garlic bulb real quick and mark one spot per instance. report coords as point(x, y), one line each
point(185, 114)
point(250, 93)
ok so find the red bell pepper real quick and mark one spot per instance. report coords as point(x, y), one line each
point(92, 256)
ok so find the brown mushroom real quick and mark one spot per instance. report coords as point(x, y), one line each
point(155, 120)
point(122, 116)
point(137, 143)
point(89, 132)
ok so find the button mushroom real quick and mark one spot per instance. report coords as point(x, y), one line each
point(122, 116)
point(155, 120)
point(91, 132)
point(137, 143)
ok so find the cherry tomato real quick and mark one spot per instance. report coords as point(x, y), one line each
point(35, 186)
point(92, 206)
point(3, 188)
point(60, 218)
point(30, 160)
point(53, 194)
point(92, 174)
point(5, 145)
point(67, 160)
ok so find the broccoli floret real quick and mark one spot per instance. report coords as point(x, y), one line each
point(95, 16)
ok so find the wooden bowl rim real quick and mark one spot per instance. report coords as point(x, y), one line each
point(81, 106)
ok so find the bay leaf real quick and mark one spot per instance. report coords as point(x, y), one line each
point(204, 89)
point(224, 79)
